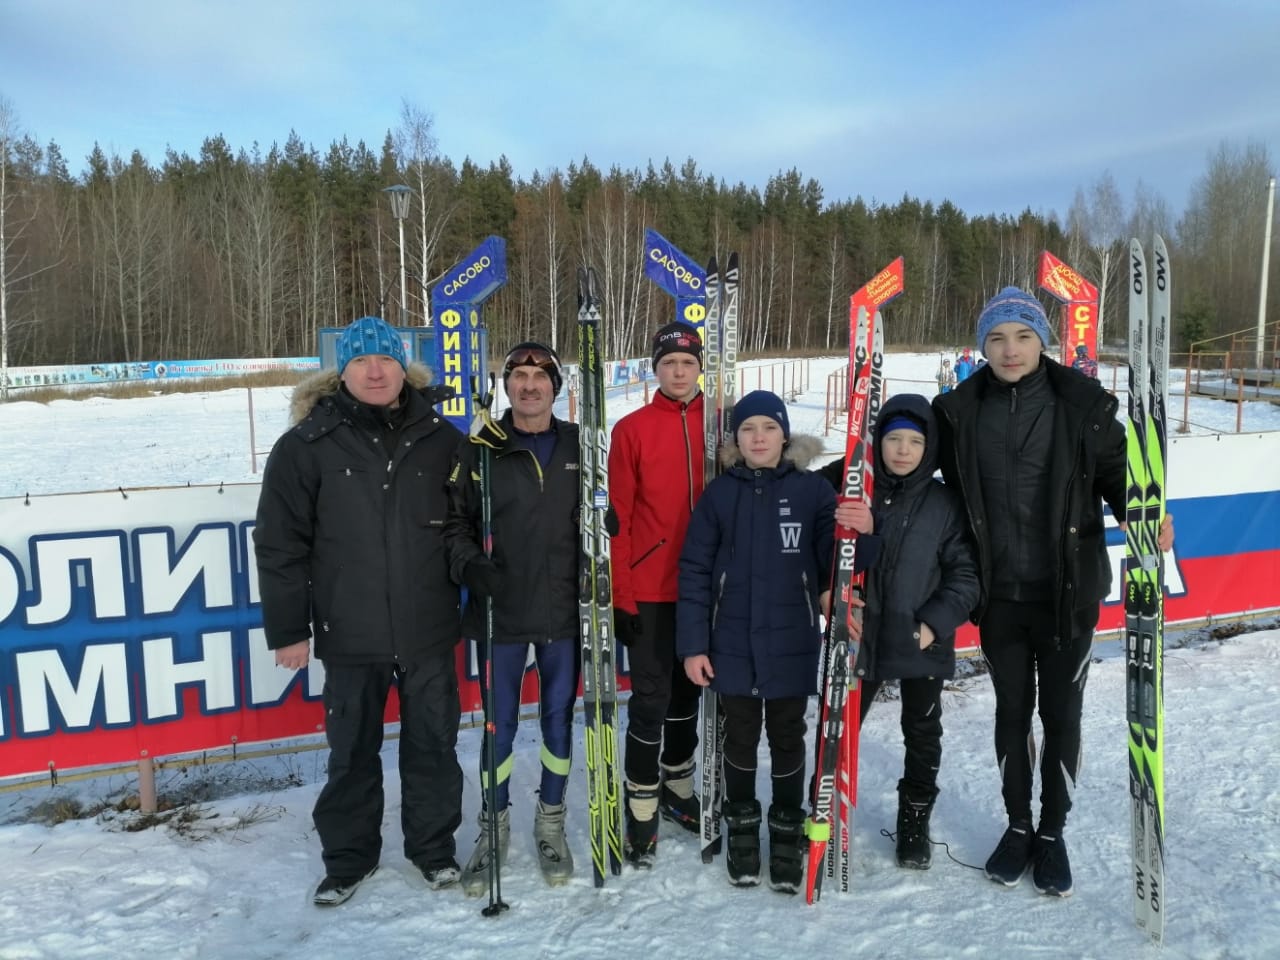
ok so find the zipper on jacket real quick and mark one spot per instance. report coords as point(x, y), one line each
point(715, 607)
point(688, 451)
point(808, 601)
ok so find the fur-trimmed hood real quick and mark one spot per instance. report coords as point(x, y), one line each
point(325, 383)
point(802, 449)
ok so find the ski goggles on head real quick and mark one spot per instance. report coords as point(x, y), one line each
point(534, 355)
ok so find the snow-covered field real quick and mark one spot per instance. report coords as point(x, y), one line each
point(233, 878)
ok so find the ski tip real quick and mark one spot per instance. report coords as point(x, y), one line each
point(712, 267)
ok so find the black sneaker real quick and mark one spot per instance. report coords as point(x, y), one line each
point(683, 811)
point(337, 890)
point(1012, 855)
point(443, 874)
point(1050, 868)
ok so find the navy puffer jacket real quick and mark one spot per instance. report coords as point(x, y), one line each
point(756, 557)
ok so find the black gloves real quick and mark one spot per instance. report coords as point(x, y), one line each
point(482, 577)
point(627, 626)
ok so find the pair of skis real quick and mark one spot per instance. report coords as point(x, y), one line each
point(595, 598)
point(1149, 298)
point(830, 827)
point(720, 392)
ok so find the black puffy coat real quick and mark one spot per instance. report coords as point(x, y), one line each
point(1087, 466)
point(926, 571)
point(756, 556)
point(349, 531)
point(536, 541)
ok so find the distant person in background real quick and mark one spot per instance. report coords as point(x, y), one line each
point(1085, 363)
point(349, 547)
point(946, 377)
point(964, 366)
point(1034, 448)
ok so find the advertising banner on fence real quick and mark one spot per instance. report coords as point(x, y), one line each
point(130, 623)
point(89, 373)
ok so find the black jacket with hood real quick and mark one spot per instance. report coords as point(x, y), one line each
point(349, 532)
point(925, 570)
point(1086, 466)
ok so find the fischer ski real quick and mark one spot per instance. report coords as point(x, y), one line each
point(835, 793)
point(720, 388)
point(1146, 442)
point(595, 599)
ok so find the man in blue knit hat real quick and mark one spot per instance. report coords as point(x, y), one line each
point(350, 551)
point(1035, 449)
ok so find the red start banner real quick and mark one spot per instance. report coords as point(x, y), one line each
point(1078, 328)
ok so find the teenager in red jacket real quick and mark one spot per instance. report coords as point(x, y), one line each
point(655, 475)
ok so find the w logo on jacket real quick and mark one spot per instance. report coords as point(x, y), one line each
point(790, 536)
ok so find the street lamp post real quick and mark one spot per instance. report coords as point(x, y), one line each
point(399, 196)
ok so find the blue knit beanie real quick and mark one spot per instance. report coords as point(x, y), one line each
point(369, 335)
point(761, 403)
point(1012, 305)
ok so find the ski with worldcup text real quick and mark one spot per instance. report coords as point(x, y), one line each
point(1146, 447)
point(835, 785)
point(595, 598)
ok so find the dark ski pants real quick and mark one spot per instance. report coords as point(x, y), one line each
point(921, 734)
point(348, 812)
point(1024, 660)
point(662, 715)
point(783, 721)
point(558, 670)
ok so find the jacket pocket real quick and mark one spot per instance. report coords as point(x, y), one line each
point(715, 606)
point(648, 553)
point(808, 598)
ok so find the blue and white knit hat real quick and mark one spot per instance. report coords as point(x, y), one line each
point(1012, 305)
point(761, 403)
point(369, 335)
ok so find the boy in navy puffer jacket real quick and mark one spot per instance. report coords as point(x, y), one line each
point(754, 576)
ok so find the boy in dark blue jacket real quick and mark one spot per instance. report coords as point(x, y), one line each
point(754, 577)
point(922, 588)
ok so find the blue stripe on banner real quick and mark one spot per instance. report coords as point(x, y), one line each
point(1219, 526)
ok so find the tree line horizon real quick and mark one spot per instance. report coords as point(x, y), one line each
point(241, 253)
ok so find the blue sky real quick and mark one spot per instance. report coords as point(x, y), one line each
point(996, 106)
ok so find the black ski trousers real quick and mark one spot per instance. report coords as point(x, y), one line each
point(1029, 671)
point(783, 720)
point(348, 812)
point(662, 715)
point(921, 734)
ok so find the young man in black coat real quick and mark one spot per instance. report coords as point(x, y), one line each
point(1035, 449)
point(349, 550)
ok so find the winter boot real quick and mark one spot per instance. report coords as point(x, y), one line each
point(475, 876)
point(554, 857)
point(1009, 861)
point(641, 846)
point(441, 873)
point(913, 848)
point(786, 848)
point(1050, 868)
point(677, 802)
point(743, 822)
point(337, 890)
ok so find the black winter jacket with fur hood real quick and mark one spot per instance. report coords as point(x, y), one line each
point(349, 532)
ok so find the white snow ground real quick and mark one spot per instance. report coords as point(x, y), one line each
point(234, 879)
